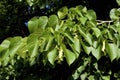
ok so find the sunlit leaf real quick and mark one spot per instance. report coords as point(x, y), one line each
point(4, 45)
point(75, 75)
point(118, 29)
point(77, 45)
point(49, 44)
point(92, 23)
point(118, 2)
point(30, 2)
point(79, 10)
point(83, 76)
point(84, 10)
point(62, 12)
point(114, 14)
point(14, 46)
point(22, 51)
point(33, 24)
point(112, 50)
point(83, 20)
point(106, 77)
point(53, 21)
point(97, 32)
point(42, 22)
point(95, 44)
point(91, 77)
point(33, 44)
point(110, 36)
point(69, 37)
point(88, 38)
point(86, 48)
point(91, 15)
point(69, 55)
point(52, 55)
point(81, 31)
point(97, 52)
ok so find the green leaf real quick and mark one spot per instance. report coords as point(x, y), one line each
point(52, 55)
point(106, 77)
point(53, 21)
point(97, 32)
point(75, 75)
point(110, 36)
point(42, 22)
point(118, 56)
point(91, 23)
point(117, 24)
point(79, 10)
point(91, 77)
point(84, 10)
point(6, 58)
point(22, 51)
point(118, 29)
point(43, 43)
point(97, 52)
point(68, 36)
point(86, 48)
point(72, 13)
point(83, 20)
point(81, 31)
point(77, 45)
point(49, 44)
point(112, 50)
point(9, 53)
point(118, 2)
point(95, 44)
point(4, 52)
point(91, 15)
point(62, 12)
point(14, 46)
point(33, 45)
point(69, 55)
point(30, 2)
point(79, 70)
point(3, 55)
point(33, 24)
point(83, 76)
point(88, 38)
point(114, 14)
point(4, 45)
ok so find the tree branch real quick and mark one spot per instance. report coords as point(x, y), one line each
point(99, 22)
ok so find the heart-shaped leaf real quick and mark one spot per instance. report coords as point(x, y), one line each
point(112, 50)
point(62, 12)
point(42, 22)
point(83, 20)
point(53, 21)
point(52, 55)
point(97, 32)
point(69, 55)
point(97, 52)
point(33, 24)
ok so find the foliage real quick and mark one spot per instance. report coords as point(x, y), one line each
point(118, 2)
point(15, 14)
point(73, 38)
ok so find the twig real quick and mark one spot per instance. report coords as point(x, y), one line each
point(99, 22)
